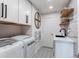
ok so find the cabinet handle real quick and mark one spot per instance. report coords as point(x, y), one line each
point(26, 18)
point(2, 9)
point(22, 46)
point(5, 11)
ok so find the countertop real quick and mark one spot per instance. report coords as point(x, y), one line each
point(64, 39)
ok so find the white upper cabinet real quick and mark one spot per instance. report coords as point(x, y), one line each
point(16, 11)
point(24, 12)
point(1, 8)
point(11, 10)
point(29, 12)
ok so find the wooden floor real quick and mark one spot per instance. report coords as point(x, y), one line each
point(44, 52)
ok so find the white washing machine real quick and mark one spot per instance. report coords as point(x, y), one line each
point(29, 44)
point(14, 50)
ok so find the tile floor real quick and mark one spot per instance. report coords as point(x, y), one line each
point(44, 52)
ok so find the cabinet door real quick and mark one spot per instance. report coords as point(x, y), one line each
point(24, 11)
point(1, 6)
point(65, 47)
point(29, 12)
point(11, 10)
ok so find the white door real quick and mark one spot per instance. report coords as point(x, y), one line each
point(47, 33)
point(50, 25)
point(24, 11)
point(11, 10)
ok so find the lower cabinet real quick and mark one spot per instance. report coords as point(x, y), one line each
point(63, 48)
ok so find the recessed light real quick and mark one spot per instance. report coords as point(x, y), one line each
point(50, 7)
point(49, 0)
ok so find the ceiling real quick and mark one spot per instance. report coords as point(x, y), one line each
point(48, 6)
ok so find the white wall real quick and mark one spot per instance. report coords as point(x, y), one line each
point(33, 25)
point(35, 31)
point(78, 22)
point(50, 25)
point(73, 24)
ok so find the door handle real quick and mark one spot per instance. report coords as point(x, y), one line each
point(2, 9)
point(5, 11)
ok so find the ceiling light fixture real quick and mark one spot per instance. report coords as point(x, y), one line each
point(50, 7)
point(49, 0)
